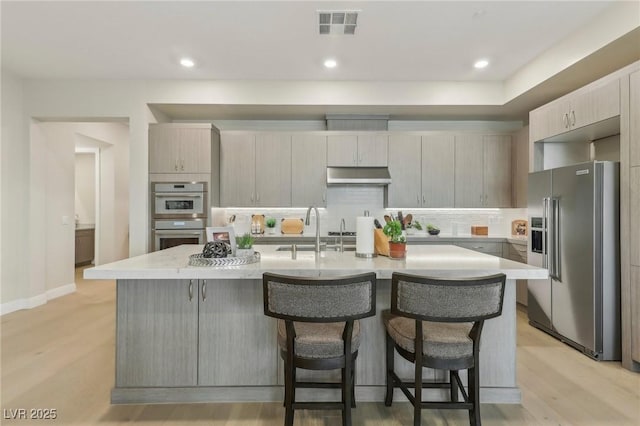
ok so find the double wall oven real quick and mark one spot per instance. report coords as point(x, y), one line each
point(179, 213)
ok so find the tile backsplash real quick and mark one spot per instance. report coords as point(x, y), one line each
point(349, 202)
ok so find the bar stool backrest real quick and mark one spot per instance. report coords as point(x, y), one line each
point(447, 300)
point(319, 299)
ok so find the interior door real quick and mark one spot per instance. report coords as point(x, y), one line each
point(572, 289)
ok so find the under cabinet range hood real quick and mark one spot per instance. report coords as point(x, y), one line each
point(358, 176)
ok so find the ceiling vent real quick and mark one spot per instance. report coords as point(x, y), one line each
point(342, 22)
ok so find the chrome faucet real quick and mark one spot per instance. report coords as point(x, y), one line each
point(308, 222)
point(342, 228)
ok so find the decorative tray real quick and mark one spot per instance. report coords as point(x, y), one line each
point(199, 260)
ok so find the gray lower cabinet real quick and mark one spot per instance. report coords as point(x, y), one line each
point(488, 247)
point(85, 243)
point(236, 339)
point(156, 333)
point(188, 333)
point(518, 253)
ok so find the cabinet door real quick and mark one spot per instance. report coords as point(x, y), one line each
point(236, 340)
point(163, 149)
point(469, 167)
point(497, 171)
point(550, 120)
point(404, 168)
point(156, 333)
point(195, 150)
point(634, 124)
point(308, 170)
point(85, 244)
point(372, 150)
point(342, 150)
point(273, 170)
point(438, 175)
point(595, 105)
point(520, 167)
point(237, 170)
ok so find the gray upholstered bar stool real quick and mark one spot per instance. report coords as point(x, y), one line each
point(444, 317)
point(318, 329)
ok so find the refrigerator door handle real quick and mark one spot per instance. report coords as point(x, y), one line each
point(557, 267)
point(545, 218)
point(554, 234)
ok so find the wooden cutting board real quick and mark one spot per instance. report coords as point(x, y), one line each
point(519, 227)
point(292, 226)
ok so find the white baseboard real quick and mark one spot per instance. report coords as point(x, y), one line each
point(40, 299)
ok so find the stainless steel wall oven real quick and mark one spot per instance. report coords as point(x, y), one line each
point(179, 213)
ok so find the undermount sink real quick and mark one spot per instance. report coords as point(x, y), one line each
point(302, 247)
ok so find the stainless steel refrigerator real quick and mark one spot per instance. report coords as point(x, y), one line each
point(574, 233)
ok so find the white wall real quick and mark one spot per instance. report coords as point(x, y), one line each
point(14, 201)
point(85, 188)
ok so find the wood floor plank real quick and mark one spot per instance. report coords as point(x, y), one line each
point(61, 355)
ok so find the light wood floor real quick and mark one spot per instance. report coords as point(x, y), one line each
point(61, 356)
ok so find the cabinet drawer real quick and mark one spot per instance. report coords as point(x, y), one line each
point(483, 247)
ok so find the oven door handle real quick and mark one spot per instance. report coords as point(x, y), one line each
point(177, 195)
point(177, 231)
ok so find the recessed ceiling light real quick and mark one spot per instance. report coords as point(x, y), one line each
point(330, 63)
point(187, 63)
point(482, 63)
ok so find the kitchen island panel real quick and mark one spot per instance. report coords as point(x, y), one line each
point(156, 334)
point(236, 340)
point(214, 343)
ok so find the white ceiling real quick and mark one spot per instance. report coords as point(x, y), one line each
point(267, 40)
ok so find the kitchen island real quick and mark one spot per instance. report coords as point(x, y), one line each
point(196, 334)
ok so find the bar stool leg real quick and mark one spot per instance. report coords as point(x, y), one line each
point(346, 394)
point(288, 393)
point(474, 396)
point(353, 385)
point(454, 386)
point(388, 399)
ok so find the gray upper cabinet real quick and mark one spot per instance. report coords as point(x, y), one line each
point(342, 150)
point(237, 170)
point(372, 150)
point(575, 110)
point(308, 170)
point(438, 174)
point(405, 170)
point(422, 170)
point(180, 148)
point(357, 150)
point(483, 171)
point(273, 170)
point(497, 171)
point(469, 168)
point(255, 169)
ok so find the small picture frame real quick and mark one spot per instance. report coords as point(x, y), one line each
point(222, 233)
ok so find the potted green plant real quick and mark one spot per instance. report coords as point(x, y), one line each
point(244, 245)
point(397, 240)
point(271, 225)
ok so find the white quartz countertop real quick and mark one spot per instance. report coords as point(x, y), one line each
point(434, 260)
